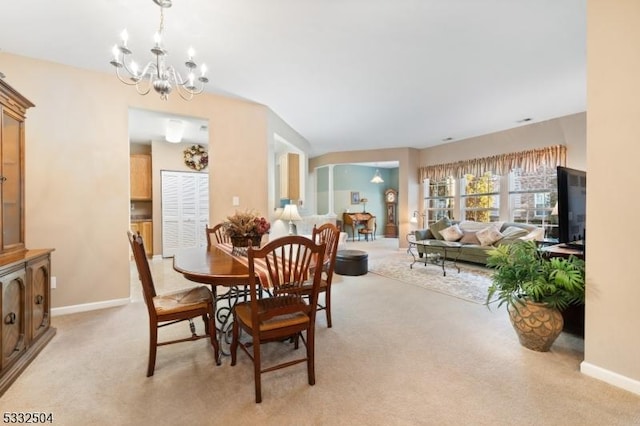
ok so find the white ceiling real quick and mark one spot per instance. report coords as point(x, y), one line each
point(348, 74)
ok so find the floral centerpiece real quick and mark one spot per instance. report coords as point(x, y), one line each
point(244, 226)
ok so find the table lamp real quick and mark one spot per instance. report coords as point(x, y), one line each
point(363, 201)
point(290, 213)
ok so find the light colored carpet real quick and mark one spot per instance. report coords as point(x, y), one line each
point(397, 355)
point(470, 284)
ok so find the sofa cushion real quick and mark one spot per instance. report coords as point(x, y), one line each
point(514, 232)
point(535, 235)
point(472, 225)
point(469, 238)
point(489, 235)
point(422, 234)
point(451, 233)
point(438, 226)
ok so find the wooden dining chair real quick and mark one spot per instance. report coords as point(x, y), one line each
point(368, 230)
point(286, 263)
point(218, 233)
point(172, 308)
point(329, 234)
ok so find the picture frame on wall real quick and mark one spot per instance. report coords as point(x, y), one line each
point(355, 197)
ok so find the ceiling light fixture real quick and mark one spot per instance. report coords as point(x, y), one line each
point(174, 131)
point(377, 178)
point(157, 74)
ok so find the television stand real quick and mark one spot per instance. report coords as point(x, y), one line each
point(561, 250)
point(573, 316)
point(574, 245)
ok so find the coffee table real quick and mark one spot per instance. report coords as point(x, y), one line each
point(435, 251)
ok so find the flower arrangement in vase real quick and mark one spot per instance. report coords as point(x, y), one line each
point(244, 226)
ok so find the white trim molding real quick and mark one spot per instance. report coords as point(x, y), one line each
point(85, 307)
point(610, 377)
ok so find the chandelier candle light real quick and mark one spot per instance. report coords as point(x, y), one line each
point(157, 74)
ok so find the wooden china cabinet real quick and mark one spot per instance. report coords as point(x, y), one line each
point(25, 275)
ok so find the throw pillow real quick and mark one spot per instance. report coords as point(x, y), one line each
point(488, 235)
point(452, 233)
point(514, 232)
point(469, 238)
point(435, 228)
point(422, 234)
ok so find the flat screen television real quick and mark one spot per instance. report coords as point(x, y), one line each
point(572, 206)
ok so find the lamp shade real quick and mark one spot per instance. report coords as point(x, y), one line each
point(290, 213)
point(377, 178)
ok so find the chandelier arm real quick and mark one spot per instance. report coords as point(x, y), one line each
point(182, 89)
point(130, 81)
point(142, 91)
point(186, 97)
point(180, 84)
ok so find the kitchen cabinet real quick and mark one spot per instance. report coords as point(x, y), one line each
point(290, 176)
point(145, 228)
point(140, 169)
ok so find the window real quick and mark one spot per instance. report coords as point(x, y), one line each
point(440, 199)
point(532, 197)
point(480, 197)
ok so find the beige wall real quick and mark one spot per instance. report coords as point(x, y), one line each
point(77, 161)
point(612, 335)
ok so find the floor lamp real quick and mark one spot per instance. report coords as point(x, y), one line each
point(290, 213)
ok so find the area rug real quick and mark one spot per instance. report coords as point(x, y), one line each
point(470, 284)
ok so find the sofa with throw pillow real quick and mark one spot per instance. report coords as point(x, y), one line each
point(477, 238)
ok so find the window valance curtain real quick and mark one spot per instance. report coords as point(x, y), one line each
point(528, 161)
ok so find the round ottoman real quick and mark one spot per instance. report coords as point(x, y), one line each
point(351, 262)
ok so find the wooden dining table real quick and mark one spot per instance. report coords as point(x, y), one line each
point(221, 265)
point(211, 265)
point(217, 266)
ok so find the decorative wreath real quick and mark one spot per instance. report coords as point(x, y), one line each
point(196, 157)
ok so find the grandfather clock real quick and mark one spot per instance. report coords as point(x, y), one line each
point(391, 200)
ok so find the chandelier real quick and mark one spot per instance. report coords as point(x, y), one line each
point(157, 74)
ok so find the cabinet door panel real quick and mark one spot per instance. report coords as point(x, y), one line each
point(140, 166)
point(11, 181)
point(39, 295)
point(13, 316)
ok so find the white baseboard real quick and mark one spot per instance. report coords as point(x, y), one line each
point(610, 377)
point(74, 309)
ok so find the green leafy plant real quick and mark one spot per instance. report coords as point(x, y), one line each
point(522, 273)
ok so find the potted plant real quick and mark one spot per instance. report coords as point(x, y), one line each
point(246, 226)
point(534, 290)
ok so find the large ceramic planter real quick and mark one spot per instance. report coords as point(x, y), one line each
point(537, 325)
